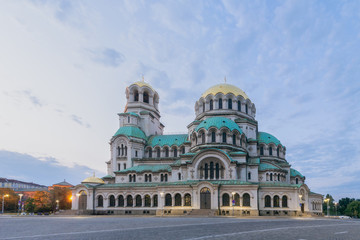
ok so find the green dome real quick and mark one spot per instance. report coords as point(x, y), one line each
point(267, 138)
point(218, 122)
point(131, 131)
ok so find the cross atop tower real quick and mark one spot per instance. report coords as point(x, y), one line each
point(225, 79)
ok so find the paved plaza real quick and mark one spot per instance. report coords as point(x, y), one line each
point(114, 227)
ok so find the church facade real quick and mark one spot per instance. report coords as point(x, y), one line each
point(223, 166)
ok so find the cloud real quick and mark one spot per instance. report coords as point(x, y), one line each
point(33, 99)
point(45, 170)
point(79, 121)
point(108, 57)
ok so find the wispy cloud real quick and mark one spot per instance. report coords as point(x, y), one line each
point(79, 121)
point(33, 99)
point(108, 57)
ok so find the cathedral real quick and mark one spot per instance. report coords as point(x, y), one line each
point(223, 165)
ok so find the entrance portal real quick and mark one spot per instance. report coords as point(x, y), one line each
point(82, 200)
point(302, 207)
point(205, 198)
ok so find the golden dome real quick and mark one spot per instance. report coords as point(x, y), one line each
point(93, 179)
point(225, 88)
point(142, 84)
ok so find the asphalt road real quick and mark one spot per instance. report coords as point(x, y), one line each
point(103, 227)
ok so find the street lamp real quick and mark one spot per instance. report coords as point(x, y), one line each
point(57, 205)
point(19, 208)
point(327, 200)
point(336, 205)
point(5, 195)
point(162, 203)
point(233, 201)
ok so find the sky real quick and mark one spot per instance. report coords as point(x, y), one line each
point(65, 65)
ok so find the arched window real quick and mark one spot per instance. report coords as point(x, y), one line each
point(112, 201)
point(158, 152)
point(146, 177)
point(246, 200)
point(175, 152)
point(230, 103)
point(130, 178)
point(213, 136)
point(239, 105)
point(234, 139)
point(271, 176)
point(183, 150)
point(146, 97)
point(122, 149)
point(220, 103)
point(155, 200)
point(226, 199)
point(149, 178)
point(187, 200)
point(296, 180)
point(177, 199)
point(224, 137)
point(211, 170)
point(125, 150)
point(134, 178)
point(249, 175)
point(118, 151)
point(166, 152)
point(267, 201)
point(206, 171)
point(129, 201)
point(150, 153)
point(276, 201)
point(246, 109)
point(136, 96)
point(179, 176)
point(147, 201)
point(168, 200)
point(166, 177)
point(100, 201)
point(217, 171)
point(270, 151)
point(120, 201)
point(278, 177)
point(128, 119)
point(284, 201)
point(261, 150)
point(211, 105)
point(138, 202)
point(162, 177)
point(203, 138)
point(203, 105)
point(237, 199)
point(278, 152)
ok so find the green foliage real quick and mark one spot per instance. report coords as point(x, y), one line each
point(343, 203)
point(30, 205)
point(63, 196)
point(331, 205)
point(42, 201)
point(10, 202)
point(353, 209)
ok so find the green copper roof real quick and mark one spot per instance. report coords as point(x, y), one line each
point(131, 131)
point(267, 138)
point(169, 140)
point(254, 161)
point(267, 166)
point(107, 176)
point(218, 122)
point(238, 153)
point(294, 173)
point(278, 184)
point(130, 113)
point(147, 168)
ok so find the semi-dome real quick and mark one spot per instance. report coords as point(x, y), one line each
point(131, 131)
point(267, 138)
point(218, 122)
point(225, 88)
point(93, 180)
point(143, 84)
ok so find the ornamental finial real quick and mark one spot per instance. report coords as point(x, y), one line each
point(225, 79)
point(142, 76)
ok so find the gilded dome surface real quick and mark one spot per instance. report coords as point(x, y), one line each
point(225, 88)
point(93, 179)
point(143, 84)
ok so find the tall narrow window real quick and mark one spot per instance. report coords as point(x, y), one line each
point(224, 137)
point(118, 151)
point(136, 153)
point(239, 106)
point(129, 201)
point(236, 197)
point(206, 171)
point(234, 139)
point(217, 174)
point(246, 200)
point(177, 199)
point(158, 152)
point(162, 177)
point(146, 177)
point(134, 178)
point(100, 201)
point(136, 96)
point(220, 103)
point(138, 201)
point(130, 178)
point(166, 152)
point(146, 97)
point(187, 200)
point(226, 199)
point(271, 176)
point(119, 167)
point(183, 150)
point(203, 107)
point(213, 137)
point(230, 103)
point(249, 175)
point(267, 201)
point(276, 201)
point(246, 109)
point(175, 152)
point(149, 177)
point(211, 170)
point(270, 151)
point(122, 150)
point(179, 176)
point(297, 181)
point(150, 153)
point(168, 200)
point(112, 201)
point(128, 119)
point(155, 201)
point(166, 177)
point(147, 201)
point(203, 138)
point(284, 201)
point(124, 165)
point(125, 150)
point(278, 152)
point(120, 201)
point(261, 150)
point(211, 104)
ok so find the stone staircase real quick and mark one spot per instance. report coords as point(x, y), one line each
point(203, 212)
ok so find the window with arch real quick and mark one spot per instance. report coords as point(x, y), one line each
point(150, 153)
point(100, 201)
point(166, 152)
point(125, 150)
point(271, 176)
point(246, 200)
point(202, 137)
point(234, 139)
point(118, 151)
point(168, 200)
point(239, 105)
point(122, 149)
point(130, 178)
point(296, 180)
point(284, 201)
point(175, 152)
point(206, 171)
point(278, 152)
point(249, 175)
point(224, 137)
point(166, 177)
point(179, 176)
point(213, 136)
point(124, 165)
point(129, 201)
point(112, 201)
point(237, 199)
point(120, 201)
point(217, 171)
point(177, 199)
point(138, 201)
point(211, 170)
point(149, 178)
point(270, 151)
point(225, 199)
point(267, 201)
point(203, 107)
point(276, 201)
point(134, 178)
point(261, 150)
point(187, 200)
point(155, 200)
point(211, 104)
point(183, 150)
point(146, 177)
point(158, 152)
point(161, 177)
point(246, 109)
point(128, 119)
point(147, 201)
point(136, 96)
point(220, 103)
point(146, 97)
point(230, 103)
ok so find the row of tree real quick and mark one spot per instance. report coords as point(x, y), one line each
point(41, 201)
point(345, 206)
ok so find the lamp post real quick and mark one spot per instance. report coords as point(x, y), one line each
point(336, 204)
point(57, 205)
point(327, 200)
point(19, 204)
point(162, 203)
point(233, 201)
point(3, 202)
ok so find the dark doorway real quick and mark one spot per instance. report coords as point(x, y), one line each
point(302, 207)
point(205, 198)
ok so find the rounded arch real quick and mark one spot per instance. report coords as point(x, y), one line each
point(168, 200)
point(246, 200)
point(187, 200)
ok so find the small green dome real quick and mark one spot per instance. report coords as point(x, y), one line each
point(267, 138)
point(218, 122)
point(131, 131)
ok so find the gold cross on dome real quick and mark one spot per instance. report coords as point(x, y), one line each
point(143, 77)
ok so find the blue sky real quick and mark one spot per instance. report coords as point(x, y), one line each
point(64, 67)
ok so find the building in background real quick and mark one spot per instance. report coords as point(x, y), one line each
point(223, 165)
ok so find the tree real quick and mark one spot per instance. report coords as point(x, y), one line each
point(353, 209)
point(42, 201)
point(10, 202)
point(343, 203)
point(331, 204)
point(30, 205)
point(63, 196)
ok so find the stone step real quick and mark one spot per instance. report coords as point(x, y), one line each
point(202, 212)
